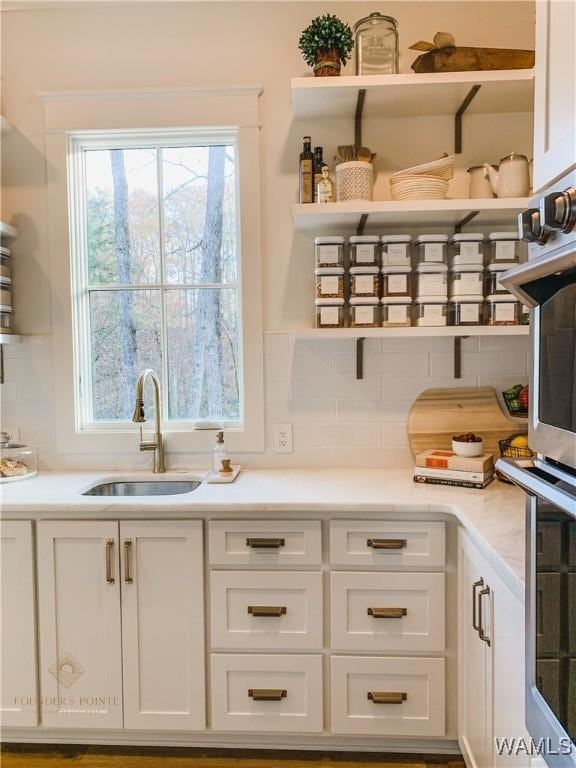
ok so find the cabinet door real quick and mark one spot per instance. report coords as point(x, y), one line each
point(163, 624)
point(79, 618)
point(554, 98)
point(18, 642)
point(475, 695)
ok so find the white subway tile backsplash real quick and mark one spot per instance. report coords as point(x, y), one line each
point(383, 411)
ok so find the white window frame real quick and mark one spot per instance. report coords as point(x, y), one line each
point(74, 118)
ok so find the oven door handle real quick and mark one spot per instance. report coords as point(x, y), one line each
point(537, 485)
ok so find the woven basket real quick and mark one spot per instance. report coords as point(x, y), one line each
point(354, 181)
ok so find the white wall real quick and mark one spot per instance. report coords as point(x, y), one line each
point(186, 44)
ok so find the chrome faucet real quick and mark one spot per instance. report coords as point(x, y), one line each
point(157, 444)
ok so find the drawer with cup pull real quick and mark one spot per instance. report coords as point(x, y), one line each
point(388, 696)
point(387, 612)
point(267, 693)
point(257, 543)
point(266, 610)
point(398, 544)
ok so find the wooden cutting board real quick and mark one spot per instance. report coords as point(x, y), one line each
point(438, 414)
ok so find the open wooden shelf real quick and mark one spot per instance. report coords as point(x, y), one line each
point(411, 95)
point(413, 332)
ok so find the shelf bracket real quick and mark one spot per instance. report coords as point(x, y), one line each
point(358, 117)
point(362, 224)
point(360, 357)
point(458, 118)
point(466, 220)
point(1, 363)
point(458, 356)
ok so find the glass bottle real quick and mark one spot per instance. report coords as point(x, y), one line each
point(220, 452)
point(306, 173)
point(318, 165)
point(376, 45)
point(325, 193)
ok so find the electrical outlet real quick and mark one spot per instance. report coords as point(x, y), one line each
point(282, 438)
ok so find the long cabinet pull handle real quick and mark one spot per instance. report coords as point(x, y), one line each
point(259, 543)
point(267, 694)
point(267, 610)
point(481, 632)
point(109, 550)
point(386, 543)
point(387, 697)
point(475, 624)
point(128, 561)
point(387, 613)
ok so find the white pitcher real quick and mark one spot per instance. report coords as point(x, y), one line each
point(512, 179)
point(480, 186)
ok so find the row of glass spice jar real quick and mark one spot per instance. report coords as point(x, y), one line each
point(398, 312)
point(6, 324)
point(463, 249)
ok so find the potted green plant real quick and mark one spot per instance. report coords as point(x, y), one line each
point(326, 44)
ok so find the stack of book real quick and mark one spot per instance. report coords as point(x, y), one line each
point(447, 468)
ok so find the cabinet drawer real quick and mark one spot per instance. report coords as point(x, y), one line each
point(385, 612)
point(397, 544)
point(388, 696)
point(266, 609)
point(267, 693)
point(261, 543)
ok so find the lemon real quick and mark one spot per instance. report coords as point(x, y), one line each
point(520, 442)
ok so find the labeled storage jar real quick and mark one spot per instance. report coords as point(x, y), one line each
point(364, 313)
point(329, 282)
point(364, 250)
point(502, 310)
point(432, 249)
point(431, 280)
point(396, 312)
point(431, 311)
point(467, 281)
point(504, 248)
point(329, 313)
point(466, 310)
point(493, 275)
point(6, 325)
point(397, 281)
point(5, 266)
point(396, 250)
point(5, 294)
point(467, 248)
point(329, 251)
point(364, 281)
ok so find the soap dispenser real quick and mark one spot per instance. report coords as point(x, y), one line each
point(220, 452)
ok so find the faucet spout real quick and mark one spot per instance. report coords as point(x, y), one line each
point(139, 416)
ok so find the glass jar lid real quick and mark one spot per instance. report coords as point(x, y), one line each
point(329, 302)
point(456, 269)
point(397, 300)
point(503, 236)
point(336, 240)
point(364, 239)
point(467, 236)
point(500, 297)
point(432, 239)
point(375, 18)
point(364, 270)
point(6, 441)
point(431, 300)
point(501, 266)
point(477, 299)
point(320, 271)
point(366, 302)
point(396, 238)
point(433, 267)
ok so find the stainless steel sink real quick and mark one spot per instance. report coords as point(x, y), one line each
point(144, 488)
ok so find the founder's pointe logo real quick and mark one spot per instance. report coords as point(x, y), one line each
point(67, 670)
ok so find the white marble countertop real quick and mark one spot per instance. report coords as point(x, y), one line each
point(494, 517)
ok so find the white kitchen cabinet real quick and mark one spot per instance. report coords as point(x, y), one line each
point(19, 690)
point(554, 96)
point(162, 624)
point(265, 543)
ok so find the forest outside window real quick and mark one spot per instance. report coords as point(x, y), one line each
point(156, 276)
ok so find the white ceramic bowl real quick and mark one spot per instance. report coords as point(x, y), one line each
point(468, 449)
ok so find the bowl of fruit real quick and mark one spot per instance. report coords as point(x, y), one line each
point(516, 399)
point(468, 444)
point(516, 447)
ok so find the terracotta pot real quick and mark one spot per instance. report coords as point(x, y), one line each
point(327, 64)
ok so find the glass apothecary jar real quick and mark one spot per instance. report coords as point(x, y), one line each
point(5, 294)
point(502, 310)
point(5, 266)
point(17, 462)
point(466, 310)
point(493, 275)
point(467, 248)
point(431, 311)
point(329, 251)
point(504, 248)
point(364, 313)
point(329, 313)
point(364, 281)
point(364, 250)
point(431, 280)
point(467, 281)
point(432, 249)
point(396, 281)
point(396, 312)
point(376, 38)
point(329, 283)
point(6, 325)
point(396, 250)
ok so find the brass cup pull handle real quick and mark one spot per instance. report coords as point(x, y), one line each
point(267, 610)
point(259, 543)
point(387, 613)
point(481, 632)
point(128, 561)
point(387, 697)
point(479, 583)
point(109, 549)
point(390, 544)
point(267, 694)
